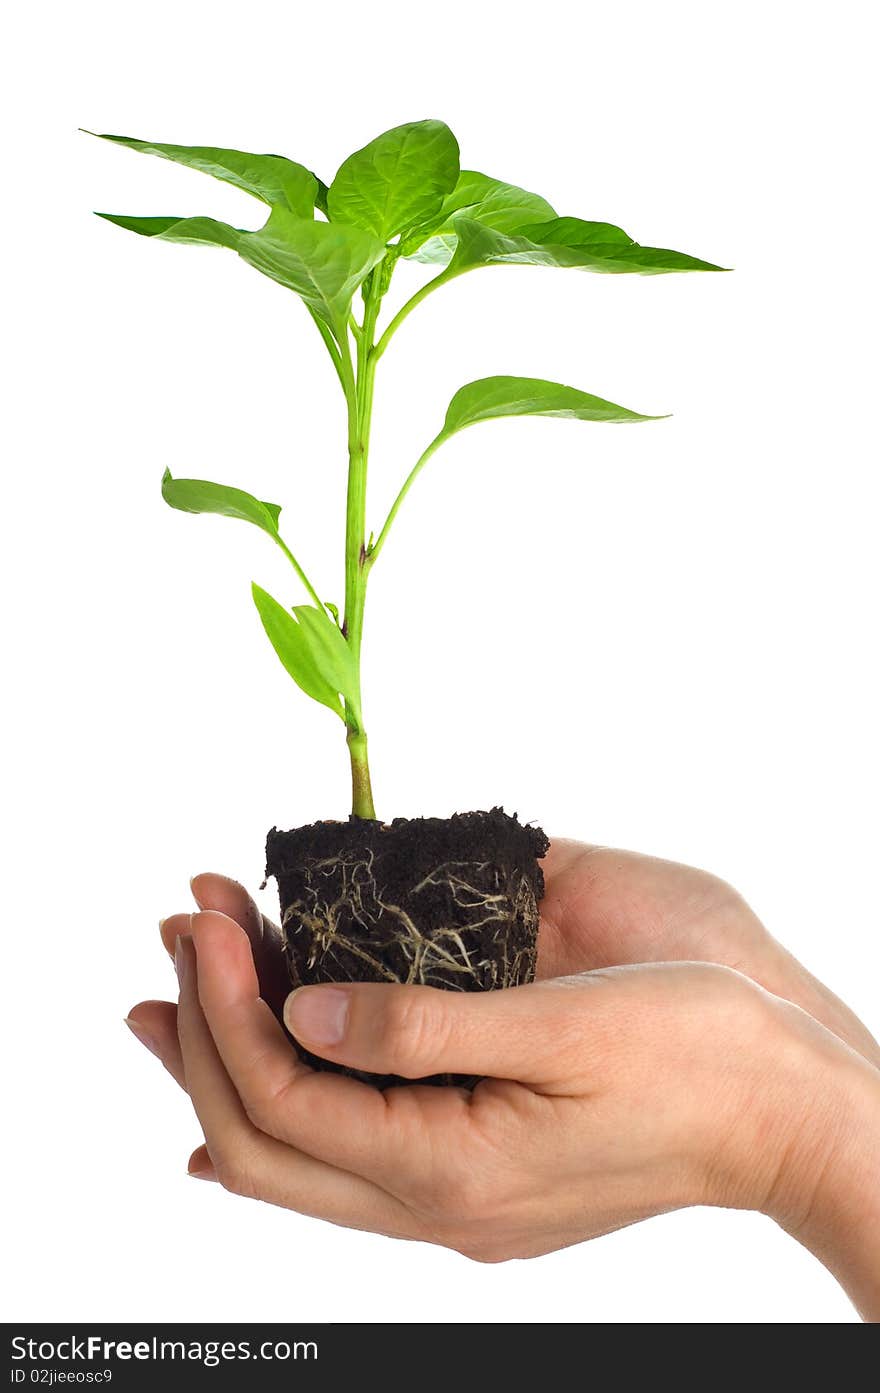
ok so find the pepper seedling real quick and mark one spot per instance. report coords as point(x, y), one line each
point(403, 195)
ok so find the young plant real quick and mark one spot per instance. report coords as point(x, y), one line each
point(446, 902)
point(403, 195)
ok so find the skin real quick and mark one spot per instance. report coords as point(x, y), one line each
point(648, 971)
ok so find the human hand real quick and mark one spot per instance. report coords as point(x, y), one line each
point(603, 907)
point(155, 1022)
point(615, 1095)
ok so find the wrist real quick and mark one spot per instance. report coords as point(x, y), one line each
point(826, 1192)
point(839, 1219)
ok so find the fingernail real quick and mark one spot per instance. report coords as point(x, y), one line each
point(317, 1015)
point(199, 1165)
point(143, 1035)
point(183, 953)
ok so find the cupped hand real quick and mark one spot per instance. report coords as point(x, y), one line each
point(601, 908)
point(612, 1096)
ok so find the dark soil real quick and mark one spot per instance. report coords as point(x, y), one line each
point(445, 902)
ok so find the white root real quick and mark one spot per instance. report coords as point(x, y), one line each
point(355, 919)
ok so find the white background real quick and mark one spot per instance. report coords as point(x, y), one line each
point(662, 636)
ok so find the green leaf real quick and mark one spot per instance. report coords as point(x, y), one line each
point(323, 263)
point(205, 231)
point(575, 232)
point(566, 242)
point(321, 196)
point(331, 653)
point(271, 178)
point(201, 496)
point(397, 181)
point(293, 642)
point(490, 201)
point(492, 397)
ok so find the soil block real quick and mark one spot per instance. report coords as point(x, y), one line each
point(444, 902)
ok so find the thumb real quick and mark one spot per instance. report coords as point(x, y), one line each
point(532, 1034)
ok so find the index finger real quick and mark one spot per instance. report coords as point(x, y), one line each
point(337, 1119)
point(219, 892)
point(250, 1163)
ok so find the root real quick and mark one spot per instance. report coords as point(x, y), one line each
point(343, 927)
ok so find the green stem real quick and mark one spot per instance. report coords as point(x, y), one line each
point(395, 507)
point(361, 789)
point(358, 382)
point(331, 345)
point(443, 279)
point(300, 572)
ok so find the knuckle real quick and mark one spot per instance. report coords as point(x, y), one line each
point(731, 908)
point(263, 1107)
point(233, 1173)
point(726, 895)
point(259, 1115)
point(227, 1175)
point(412, 1033)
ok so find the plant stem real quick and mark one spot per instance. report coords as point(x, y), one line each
point(332, 346)
point(408, 482)
point(443, 279)
point(361, 789)
point(358, 383)
point(300, 572)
